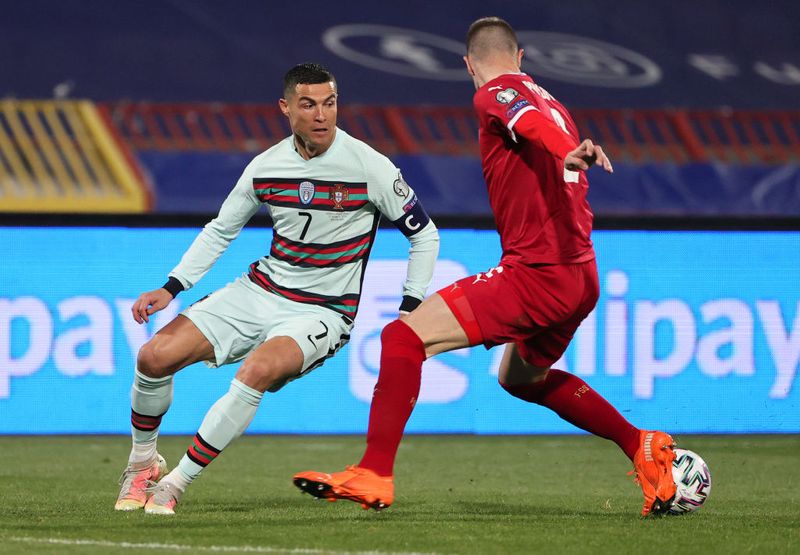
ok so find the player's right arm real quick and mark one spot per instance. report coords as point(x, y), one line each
point(149, 303)
point(207, 247)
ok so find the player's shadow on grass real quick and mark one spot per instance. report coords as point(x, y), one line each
point(305, 508)
point(466, 511)
point(483, 510)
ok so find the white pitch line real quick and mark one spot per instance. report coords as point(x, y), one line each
point(209, 548)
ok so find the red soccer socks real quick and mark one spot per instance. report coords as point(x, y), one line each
point(573, 400)
point(402, 354)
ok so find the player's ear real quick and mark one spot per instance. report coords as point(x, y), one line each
point(284, 106)
point(469, 66)
point(520, 55)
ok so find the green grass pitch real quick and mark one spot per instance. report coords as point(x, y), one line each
point(455, 494)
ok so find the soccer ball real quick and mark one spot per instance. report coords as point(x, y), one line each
point(693, 480)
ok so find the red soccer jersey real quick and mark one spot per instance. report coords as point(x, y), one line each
point(541, 210)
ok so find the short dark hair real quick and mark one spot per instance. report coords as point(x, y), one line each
point(306, 74)
point(501, 37)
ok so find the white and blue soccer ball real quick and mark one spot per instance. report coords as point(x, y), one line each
point(693, 480)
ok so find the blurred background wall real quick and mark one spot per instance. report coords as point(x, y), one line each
point(123, 125)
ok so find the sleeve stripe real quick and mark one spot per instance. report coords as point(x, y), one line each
point(516, 117)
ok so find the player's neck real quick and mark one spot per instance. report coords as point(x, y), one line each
point(489, 72)
point(308, 150)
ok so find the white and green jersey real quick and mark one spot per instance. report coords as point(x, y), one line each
point(325, 214)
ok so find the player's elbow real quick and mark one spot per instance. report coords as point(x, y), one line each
point(427, 236)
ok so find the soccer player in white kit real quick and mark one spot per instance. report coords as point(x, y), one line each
point(325, 192)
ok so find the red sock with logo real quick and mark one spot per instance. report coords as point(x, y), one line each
point(573, 400)
point(402, 355)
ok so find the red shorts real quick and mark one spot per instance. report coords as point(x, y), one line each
point(537, 307)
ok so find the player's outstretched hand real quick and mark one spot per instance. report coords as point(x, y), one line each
point(585, 156)
point(150, 303)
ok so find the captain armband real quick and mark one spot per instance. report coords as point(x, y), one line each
point(415, 218)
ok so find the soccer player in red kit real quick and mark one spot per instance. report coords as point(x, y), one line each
point(533, 301)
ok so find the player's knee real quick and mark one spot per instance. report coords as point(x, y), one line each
point(511, 389)
point(397, 332)
point(264, 374)
point(388, 333)
point(150, 360)
point(529, 392)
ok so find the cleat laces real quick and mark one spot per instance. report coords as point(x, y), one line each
point(128, 476)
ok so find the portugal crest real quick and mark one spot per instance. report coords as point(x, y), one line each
point(338, 194)
point(306, 192)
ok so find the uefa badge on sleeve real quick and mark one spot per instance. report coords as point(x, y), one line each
point(306, 192)
point(506, 96)
point(400, 186)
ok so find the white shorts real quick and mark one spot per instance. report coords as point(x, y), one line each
point(241, 316)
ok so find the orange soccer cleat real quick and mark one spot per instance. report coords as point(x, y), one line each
point(653, 469)
point(354, 483)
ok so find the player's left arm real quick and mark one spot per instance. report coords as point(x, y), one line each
point(421, 232)
point(236, 210)
point(586, 155)
point(543, 132)
point(522, 118)
point(548, 135)
point(397, 201)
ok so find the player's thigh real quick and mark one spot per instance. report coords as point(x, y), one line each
point(493, 307)
point(527, 361)
point(543, 347)
point(516, 371)
point(436, 325)
point(175, 346)
point(274, 362)
point(304, 337)
point(547, 346)
point(235, 320)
